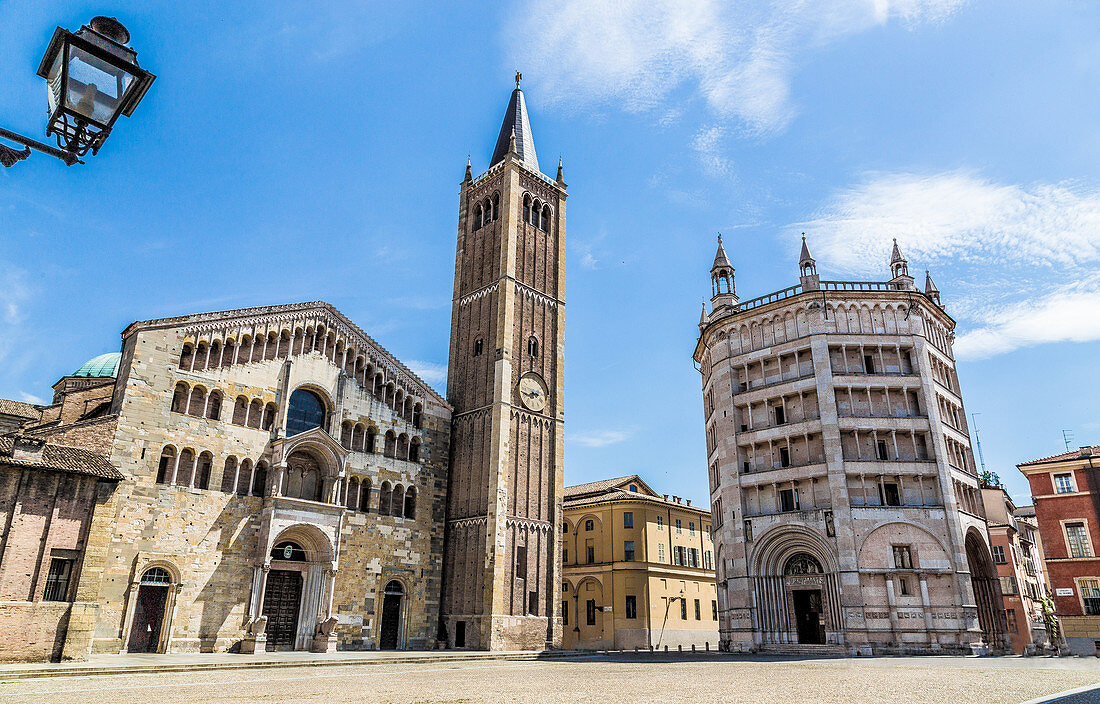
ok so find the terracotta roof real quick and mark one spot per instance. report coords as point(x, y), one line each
point(593, 487)
point(18, 408)
point(59, 459)
point(1063, 456)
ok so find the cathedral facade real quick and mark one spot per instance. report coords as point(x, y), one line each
point(272, 478)
point(846, 503)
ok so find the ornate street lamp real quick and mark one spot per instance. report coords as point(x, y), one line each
point(92, 77)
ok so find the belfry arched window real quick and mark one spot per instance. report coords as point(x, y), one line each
point(533, 347)
point(478, 345)
point(306, 412)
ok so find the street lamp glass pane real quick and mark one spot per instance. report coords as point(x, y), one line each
point(53, 83)
point(96, 88)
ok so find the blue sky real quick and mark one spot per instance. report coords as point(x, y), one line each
point(298, 151)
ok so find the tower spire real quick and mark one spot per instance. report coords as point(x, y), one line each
point(807, 268)
point(899, 269)
point(723, 290)
point(516, 123)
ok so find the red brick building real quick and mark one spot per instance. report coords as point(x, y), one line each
point(1066, 490)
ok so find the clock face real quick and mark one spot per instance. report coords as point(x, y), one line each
point(532, 393)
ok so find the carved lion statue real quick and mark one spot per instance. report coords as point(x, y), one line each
point(326, 627)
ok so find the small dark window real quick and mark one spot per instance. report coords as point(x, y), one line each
point(628, 519)
point(634, 488)
point(57, 580)
point(628, 550)
point(565, 556)
point(588, 524)
point(533, 347)
point(784, 457)
point(780, 415)
point(631, 606)
point(882, 450)
point(590, 612)
point(460, 634)
point(698, 614)
point(998, 554)
point(890, 494)
point(478, 344)
point(565, 613)
point(713, 610)
point(868, 364)
point(903, 586)
point(521, 562)
point(533, 603)
point(590, 553)
point(683, 609)
point(788, 500)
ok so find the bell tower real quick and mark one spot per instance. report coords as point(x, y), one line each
point(502, 570)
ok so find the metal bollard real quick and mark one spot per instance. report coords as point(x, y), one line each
point(707, 645)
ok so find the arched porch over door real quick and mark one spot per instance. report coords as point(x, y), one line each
point(294, 587)
point(795, 588)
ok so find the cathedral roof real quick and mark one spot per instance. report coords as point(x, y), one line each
point(57, 458)
point(516, 123)
point(105, 365)
point(8, 407)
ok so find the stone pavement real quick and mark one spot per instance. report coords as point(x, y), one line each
point(642, 678)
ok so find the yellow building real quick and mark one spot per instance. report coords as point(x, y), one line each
point(638, 569)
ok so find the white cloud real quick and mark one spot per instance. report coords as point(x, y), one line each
point(428, 371)
point(31, 398)
point(1063, 316)
point(738, 56)
point(1017, 264)
point(602, 438)
point(707, 144)
point(14, 293)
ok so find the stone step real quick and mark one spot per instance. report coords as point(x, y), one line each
point(821, 650)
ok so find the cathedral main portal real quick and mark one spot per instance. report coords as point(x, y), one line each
point(282, 602)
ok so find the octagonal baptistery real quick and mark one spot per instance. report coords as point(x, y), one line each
point(846, 505)
point(285, 489)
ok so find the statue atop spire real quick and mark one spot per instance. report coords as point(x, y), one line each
point(519, 77)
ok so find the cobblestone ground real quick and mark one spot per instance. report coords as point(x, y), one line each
point(603, 679)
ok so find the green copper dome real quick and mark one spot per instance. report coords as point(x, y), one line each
point(104, 365)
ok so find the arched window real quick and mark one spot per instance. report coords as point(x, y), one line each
point(284, 345)
point(240, 410)
point(352, 502)
point(544, 225)
point(496, 205)
point(229, 475)
point(258, 349)
point(391, 444)
point(229, 353)
point(259, 480)
point(187, 357)
point(478, 345)
point(272, 347)
point(364, 496)
point(477, 216)
point(166, 464)
point(384, 496)
point(201, 356)
point(255, 413)
point(345, 434)
point(372, 435)
point(359, 437)
point(488, 212)
point(410, 503)
point(306, 412)
point(414, 450)
point(417, 419)
point(156, 575)
point(215, 355)
point(269, 416)
point(186, 468)
point(533, 347)
point(535, 208)
point(398, 501)
point(214, 405)
point(179, 398)
point(202, 471)
point(244, 478)
point(403, 446)
point(526, 208)
point(198, 400)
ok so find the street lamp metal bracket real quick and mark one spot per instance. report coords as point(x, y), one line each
point(9, 156)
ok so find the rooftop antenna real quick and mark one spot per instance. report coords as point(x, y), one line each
point(978, 440)
point(1067, 438)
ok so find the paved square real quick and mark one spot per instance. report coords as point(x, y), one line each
point(605, 679)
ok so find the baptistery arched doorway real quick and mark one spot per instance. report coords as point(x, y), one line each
point(987, 589)
point(807, 599)
point(796, 588)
